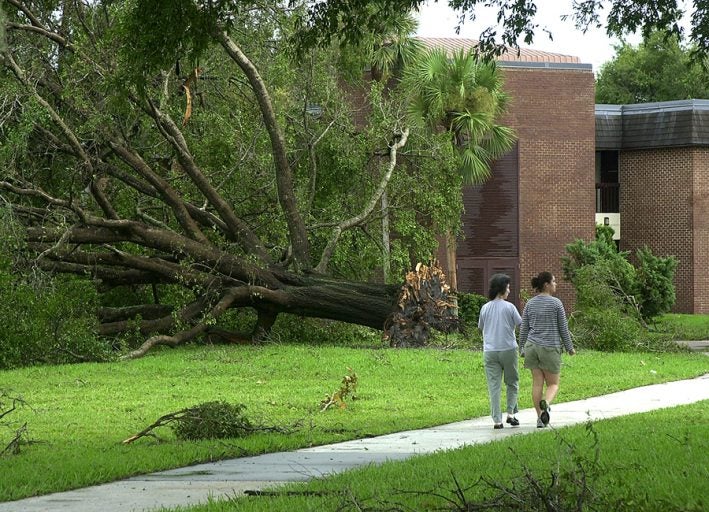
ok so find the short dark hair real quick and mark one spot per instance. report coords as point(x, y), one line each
point(498, 285)
point(540, 280)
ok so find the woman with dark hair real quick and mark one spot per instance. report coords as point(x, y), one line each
point(543, 332)
point(498, 319)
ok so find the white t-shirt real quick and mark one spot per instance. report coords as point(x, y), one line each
point(498, 319)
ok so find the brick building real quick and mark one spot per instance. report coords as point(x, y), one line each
point(541, 194)
point(643, 169)
point(652, 179)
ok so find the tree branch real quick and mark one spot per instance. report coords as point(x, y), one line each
point(248, 240)
point(224, 303)
point(42, 31)
point(284, 175)
point(169, 195)
point(368, 209)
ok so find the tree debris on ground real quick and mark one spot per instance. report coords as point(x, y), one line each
point(208, 420)
point(347, 388)
point(425, 302)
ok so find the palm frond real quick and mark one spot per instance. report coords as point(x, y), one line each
point(462, 95)
point(500, 140)
point(475, 166)
point(474, 124)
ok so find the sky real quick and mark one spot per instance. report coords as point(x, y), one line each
point(594, 47)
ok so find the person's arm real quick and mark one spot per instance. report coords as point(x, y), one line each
point(515, 315)
point(523, 331)
point(564, 330)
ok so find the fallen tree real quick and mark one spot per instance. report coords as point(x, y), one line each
point(110, 185)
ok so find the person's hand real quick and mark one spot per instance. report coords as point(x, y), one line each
point(572, 352)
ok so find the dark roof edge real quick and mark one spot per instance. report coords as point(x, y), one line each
point(653, 107)
point(543, 65)
point(681, 123)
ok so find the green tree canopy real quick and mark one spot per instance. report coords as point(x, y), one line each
point(349, 19)
point(658, 69)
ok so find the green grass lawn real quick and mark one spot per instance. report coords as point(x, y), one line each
point(79, 414)
point(654, 461)
point(683, 327)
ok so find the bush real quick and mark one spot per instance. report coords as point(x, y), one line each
point(469, 305)
point(646, 291)
point(318, 331)
point(618, 272)
point(45, 319)
point(656, 291)
point(603, 321)
point(605, 329)
point(48, 321)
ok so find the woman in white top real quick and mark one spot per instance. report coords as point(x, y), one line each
point(498, 319)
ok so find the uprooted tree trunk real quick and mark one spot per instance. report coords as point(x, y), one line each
point(113, 209)
point(425, 303)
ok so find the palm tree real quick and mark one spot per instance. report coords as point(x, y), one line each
point(397, 47)
point(463, 96)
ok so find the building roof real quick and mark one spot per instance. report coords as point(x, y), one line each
point(652, 125)
point(528, 55)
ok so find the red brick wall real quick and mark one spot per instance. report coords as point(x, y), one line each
point(700, 222)
point(656, 210)
point(553, 112)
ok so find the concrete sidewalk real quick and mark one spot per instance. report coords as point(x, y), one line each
point(229, 478)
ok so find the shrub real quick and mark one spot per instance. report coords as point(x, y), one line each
point(469, 305)
point(646, 291)
point(46, 320)
point(50, 321)
point(656, 291)
point(618, 272)
point(317, 331)
point(603, 320)
point(605, 329)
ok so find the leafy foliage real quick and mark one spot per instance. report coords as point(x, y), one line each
point(614, 298)
point(618, 272)
point(604, 320)
point(351, 18)
point(462, 96)
point(213, 420)
point(655, 276)
point(47, 319)
point(659, 69)
point(469, 305)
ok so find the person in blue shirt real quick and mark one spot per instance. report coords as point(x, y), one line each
point(498, 320)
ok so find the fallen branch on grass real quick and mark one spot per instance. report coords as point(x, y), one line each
point(13, 447)
point(348, 387)
point(209, 420)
